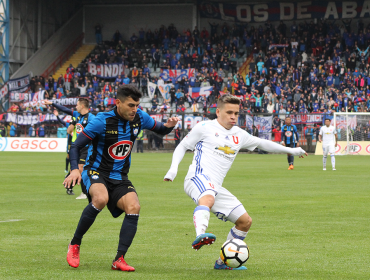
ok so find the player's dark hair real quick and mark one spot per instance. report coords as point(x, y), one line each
point(84, 102)
point(125, 91)
point(327, 120)
point(288, 117)
point(228, 98)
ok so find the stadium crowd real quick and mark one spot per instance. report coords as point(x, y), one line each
point(308, 68)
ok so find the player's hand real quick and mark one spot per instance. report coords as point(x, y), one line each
point(170, 176)
point(55, 112)
point(298, 152)
point(73, 179)
point(47, 102)
point(283, 143)
point(320, 141)
point(171, 122)
point(297, 144)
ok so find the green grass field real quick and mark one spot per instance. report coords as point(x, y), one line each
point(307, 223)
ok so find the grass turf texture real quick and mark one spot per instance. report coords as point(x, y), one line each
point(307, 223)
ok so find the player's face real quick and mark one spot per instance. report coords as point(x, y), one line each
point(78, 107)
point(327, 123)
point(127, 109)
point(227, 115)
point(288, 121)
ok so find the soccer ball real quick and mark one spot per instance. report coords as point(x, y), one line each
point(234, 253)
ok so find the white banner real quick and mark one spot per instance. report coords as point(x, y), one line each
point(41, 144)
point(165, 91)
point(151, 89)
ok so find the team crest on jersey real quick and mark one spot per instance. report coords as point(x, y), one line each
point(136, 130)
point(120, 150)
point(236, 139)
point(79, 128)
point(288, 134)
point(95, 177)
point(84, 122)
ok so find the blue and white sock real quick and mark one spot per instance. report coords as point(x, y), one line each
point(324, 161)
point(235, 233)
point(201, 219)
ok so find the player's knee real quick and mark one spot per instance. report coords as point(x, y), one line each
point(100, 201)
point(244, 222)
point(133, 208)
point(207, 200)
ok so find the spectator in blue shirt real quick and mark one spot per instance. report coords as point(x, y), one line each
point(41, 131)
point(13, 130)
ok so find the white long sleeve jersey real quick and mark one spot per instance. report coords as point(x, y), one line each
point(215, 148)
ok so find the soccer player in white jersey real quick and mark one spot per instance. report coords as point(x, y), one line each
point(328, 136)
point(216, 145)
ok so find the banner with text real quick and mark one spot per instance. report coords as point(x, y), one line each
point(176, 75)
point(19, 85)
point(41, 144)
point(306, 119)
point(106, 71)
point(277, 11)
point(34, 119)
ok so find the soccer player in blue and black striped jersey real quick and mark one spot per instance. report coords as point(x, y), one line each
point(290, 139)
point(107, 165)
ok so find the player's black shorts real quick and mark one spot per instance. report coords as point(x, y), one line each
point(291, 145)
point(116, 189)
point(83, 155)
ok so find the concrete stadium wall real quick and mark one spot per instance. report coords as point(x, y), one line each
point(52, 48)
point(128, 19)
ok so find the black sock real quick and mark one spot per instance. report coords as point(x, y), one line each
point(127, 233)
point(292, 160)
point(288, 157)
point(119, 254)
point(87, 219)
point(67, 163)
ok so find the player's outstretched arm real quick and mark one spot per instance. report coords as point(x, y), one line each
point(59, 107)
point(165, 128)
point(177, 157)
point(272, 147)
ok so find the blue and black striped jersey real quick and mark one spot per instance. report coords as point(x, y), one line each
point(290, 134)
point(112, 140)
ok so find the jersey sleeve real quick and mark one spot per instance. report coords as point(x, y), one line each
point(249, 142)
point(321, 133)
point(95, 127)
point(75, 114)
point(91, 117)
point(194, 136)
point(148, 121)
